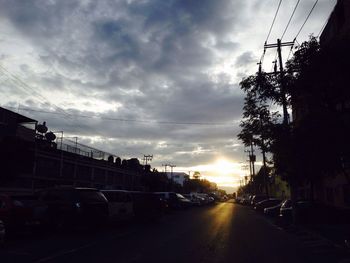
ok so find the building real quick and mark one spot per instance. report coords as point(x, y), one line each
point(178, 177)
point(17, 140)
point(331, 100)
point(33, 158)
point(338, 26)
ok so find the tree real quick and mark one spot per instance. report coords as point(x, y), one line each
point(258, 120)
point(196, 175)
point(261, 126)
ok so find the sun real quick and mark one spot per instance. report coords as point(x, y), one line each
point(222, 171)
point(225, 172)
point(224, 167)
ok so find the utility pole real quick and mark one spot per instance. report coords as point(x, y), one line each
point(171, 175)
point(171, 167)
point(279, 46)
point(262, 138)
point(165, 166)
point(147, 158)
point(250, 165)
point(252, 158)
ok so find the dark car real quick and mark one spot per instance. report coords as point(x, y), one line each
point(183, 201)
point(195, 201)
point(258, 198)
point(147, 205)
point(18, 211)
point(71, 206)
point(246, 199)
point(266, 203)
point(273, 211)
point(286, 210)
point(170, 198)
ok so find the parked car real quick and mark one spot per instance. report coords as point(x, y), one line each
point(183, 201)
point(170, 198)
point(266, 203)
point(238, 199)
point(204, 198)
point(120, 204)
point(258, 198)
point(212, 200)
point(286, 210)
point(246, 199)
point(71, 206)
point(18, 211)
point(273, 211)
point(147, 205)
point(196, 201)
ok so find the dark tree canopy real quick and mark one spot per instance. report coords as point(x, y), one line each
point(316, 142)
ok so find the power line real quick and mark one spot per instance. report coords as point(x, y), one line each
point(301, 28)
point(307, 18)
point(324, 25)
point(273, 21)
point(29, 90)
point(290, 19)
point(127, 120)
point(268, 35)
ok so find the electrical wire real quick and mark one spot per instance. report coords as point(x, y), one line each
point(30, 91)
point(128, 120)
point(290, 19)
point(273, 21)
point(269, 33)
point(323, 27)
point(307, 18)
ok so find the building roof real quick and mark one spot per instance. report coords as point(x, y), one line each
point(19, 118)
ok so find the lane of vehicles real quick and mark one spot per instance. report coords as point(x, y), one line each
point(301, 211)
point(268, 205)
point(67, 207)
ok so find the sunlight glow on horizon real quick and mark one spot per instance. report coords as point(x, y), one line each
point(223, 172)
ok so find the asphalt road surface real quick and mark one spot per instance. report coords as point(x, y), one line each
point(224, 232)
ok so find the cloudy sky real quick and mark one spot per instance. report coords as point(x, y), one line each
point(135, 77)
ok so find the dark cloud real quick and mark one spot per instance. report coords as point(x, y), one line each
point(175, 61)
point(245, 59)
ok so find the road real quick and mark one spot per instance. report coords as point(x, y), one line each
point(225, 232)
